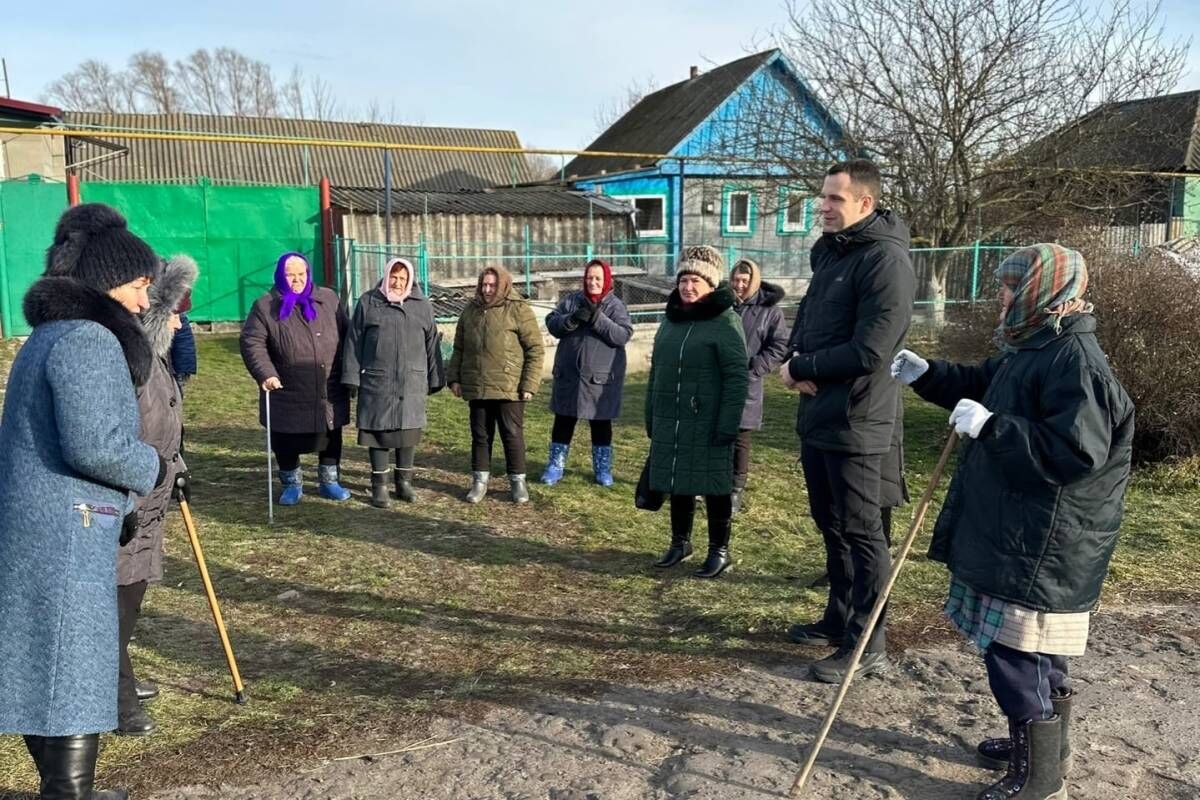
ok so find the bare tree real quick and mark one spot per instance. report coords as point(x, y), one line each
point(543, 167)
point(615, 107)
point(322, 102)
point(966, 104)
point(292, 94)
point(201, 85)
point(154, 83)
point(91, 85)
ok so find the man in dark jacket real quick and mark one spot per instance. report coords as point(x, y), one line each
point(854, 318)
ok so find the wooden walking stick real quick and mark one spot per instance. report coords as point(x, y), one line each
point(194, 538)
point(876, 612)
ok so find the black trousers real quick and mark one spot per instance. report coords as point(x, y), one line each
point(509, 417)
point(741, 458)
point(289, 447)
point(564, 430)
point(405, 457)
point(1023, 683)
point(129, 607)
point(843, 495)
point(683, 512)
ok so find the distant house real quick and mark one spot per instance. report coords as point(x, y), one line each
point(1148, 151)
point(743, 191)
point(22, 155)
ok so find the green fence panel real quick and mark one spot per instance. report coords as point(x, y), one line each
point(235, 233)
point(29, 210)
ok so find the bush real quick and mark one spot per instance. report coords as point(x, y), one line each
point(1148, 315)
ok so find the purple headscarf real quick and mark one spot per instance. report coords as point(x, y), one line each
point(291, 299)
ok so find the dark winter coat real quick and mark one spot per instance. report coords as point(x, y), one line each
point(696, 392)
point(69, 460)
point(1034, 508)
point(852, 321)
point(160, 406)
point(307, 359)
point(766, 342)
point(183, 350)
point(390, 353)
point(589, 367)
point(498, 350)
point(893, 490)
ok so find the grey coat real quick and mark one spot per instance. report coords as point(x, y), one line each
point(766, 343)
point(589, 367)
point(390, 353)
point(305, 356)
point(70, 458)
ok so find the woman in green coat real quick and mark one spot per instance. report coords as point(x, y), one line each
point(496, 367)
point(694, 405)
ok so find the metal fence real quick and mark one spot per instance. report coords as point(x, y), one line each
point(643, 274)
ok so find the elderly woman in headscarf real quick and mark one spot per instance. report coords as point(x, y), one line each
point(1032, 514)
point(390, 355)
point(593, 327)
point(291, 343)
point(497, 368)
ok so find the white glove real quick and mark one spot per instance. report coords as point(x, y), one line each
point(969, 417)
point(907, 366)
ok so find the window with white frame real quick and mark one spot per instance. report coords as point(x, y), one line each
point(797, 211)
point(649, 213)
point(737, 212)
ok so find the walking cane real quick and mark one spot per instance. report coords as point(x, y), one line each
point(189, 523)
point(270, 486)
point(873, 619)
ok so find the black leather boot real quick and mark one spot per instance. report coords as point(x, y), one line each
point(379, 489)
point(1033, 766)
point(67, 765)
point(134, 721)
point(994, 753)
point(718, 559)
point(682, 514)
point(404, 487)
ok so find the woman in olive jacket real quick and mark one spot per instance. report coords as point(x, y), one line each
point(1032, 514)
point(592, 327)
point(291, 344)
point(496, 367)
point(390, 355)
point(694, 402)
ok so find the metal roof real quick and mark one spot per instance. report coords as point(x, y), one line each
point(1154, 133)
point(530, 201)
point(663, 119)
point(25, 111)
point(163, 160)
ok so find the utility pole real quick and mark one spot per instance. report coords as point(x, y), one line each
point(4, 69)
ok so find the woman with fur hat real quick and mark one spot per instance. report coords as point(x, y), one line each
point(497, 368)
point(390, 355)
point(70, 432)
point(694, 401)
point(1032, 514)
point(757, 303)
point(160, 405)
point(593, 328)
point(292, 346)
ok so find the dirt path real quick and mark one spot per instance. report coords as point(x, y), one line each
point(742, 735)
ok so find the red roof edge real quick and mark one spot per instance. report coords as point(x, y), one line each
point(30, 108)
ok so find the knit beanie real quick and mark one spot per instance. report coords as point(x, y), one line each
point(703, 261)
point(93, 246)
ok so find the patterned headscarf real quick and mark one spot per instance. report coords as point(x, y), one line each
point(1048, 282)
point(291, 299)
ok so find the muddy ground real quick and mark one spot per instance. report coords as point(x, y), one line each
point(743, 735)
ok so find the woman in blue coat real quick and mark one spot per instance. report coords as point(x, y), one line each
point(592, 327)
point(70, 432)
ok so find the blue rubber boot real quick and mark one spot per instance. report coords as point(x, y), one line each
point(602, 465)
point(557, 464)
point(330, 489)
point(293, 486)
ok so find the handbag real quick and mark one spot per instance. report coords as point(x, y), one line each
point(644, 497)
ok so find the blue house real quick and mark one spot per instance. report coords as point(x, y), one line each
point(746, 145)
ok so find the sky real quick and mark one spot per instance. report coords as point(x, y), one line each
point(539, 67)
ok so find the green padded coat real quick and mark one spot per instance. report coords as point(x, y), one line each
point(697, 389)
